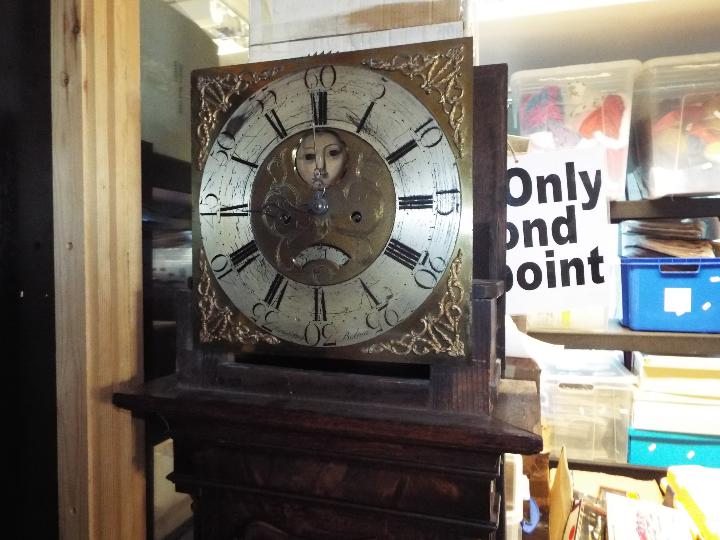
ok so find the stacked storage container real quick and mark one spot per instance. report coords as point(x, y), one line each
point(586, 399)
point(579, 107)
point(676, 411)
point(669, 294)
point(676, 122)
point(677, 125)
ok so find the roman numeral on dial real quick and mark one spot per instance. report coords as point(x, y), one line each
point(250, 164)
point(365, 116)
point(276, 291)
point(320, 311)
point(276, 124)
point(403, 254)
point(319, 107)
point(244, 255)
point(372, 297)
point(426, 136)
point(402, 151)
point(415, 202)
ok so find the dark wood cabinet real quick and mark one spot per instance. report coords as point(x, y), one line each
point(262, 467)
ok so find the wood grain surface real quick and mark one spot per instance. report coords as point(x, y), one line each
point(97, 218)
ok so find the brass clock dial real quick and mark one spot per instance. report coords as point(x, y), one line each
point(330, 206)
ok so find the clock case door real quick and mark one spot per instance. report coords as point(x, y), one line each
point(439, 75)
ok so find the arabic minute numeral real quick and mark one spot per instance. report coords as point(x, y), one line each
point(263, 315)
point(428, 274)
point(382, 319)
point(429, 136)
point(320, 333)
point(264, 99)
point(448, 202)
point(220, 265)
point(320, 76)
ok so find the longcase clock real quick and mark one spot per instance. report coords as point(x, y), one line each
point(333, 205)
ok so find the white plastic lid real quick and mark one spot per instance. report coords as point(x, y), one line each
point(602, 75)
point(579, 366)
point(680, 71)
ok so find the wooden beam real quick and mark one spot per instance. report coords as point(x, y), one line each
point(98, 280)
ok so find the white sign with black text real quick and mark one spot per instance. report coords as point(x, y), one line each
point(559, 241)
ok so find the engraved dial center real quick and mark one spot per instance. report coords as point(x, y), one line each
point(334, 233)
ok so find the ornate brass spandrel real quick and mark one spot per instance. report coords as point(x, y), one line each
point(219, 322)
point(439, 332)
point(216, 91)
point(441, 73)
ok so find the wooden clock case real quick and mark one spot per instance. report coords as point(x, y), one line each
point(269, 451)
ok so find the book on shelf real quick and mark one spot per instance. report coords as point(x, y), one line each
point(656, 411)
point(677, 394)
point(695, 492)
point(683, 238)
point(635, 519)
point(680, 375)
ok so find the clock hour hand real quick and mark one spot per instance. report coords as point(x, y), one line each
point(274, 210)
point(279, 207)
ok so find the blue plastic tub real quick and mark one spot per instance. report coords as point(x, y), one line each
point(668, 294)
point(661, 449)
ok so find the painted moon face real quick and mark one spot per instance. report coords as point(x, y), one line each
point(320, 158)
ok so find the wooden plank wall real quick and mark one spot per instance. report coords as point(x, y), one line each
point(95, 81)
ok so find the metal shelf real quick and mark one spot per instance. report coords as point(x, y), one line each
point(640, 472)
point(668, 207)
point(619, 338)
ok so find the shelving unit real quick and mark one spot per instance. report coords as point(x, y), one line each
point(641, 472)
point(668, 207)
point(617, 337)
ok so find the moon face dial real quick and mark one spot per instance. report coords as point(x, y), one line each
point(330, 206)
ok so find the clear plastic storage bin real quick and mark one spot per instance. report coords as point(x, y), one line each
point(586, 405)
point(578, 107)
point(677, 125)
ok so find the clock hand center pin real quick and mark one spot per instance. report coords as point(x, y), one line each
point(319, 204)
